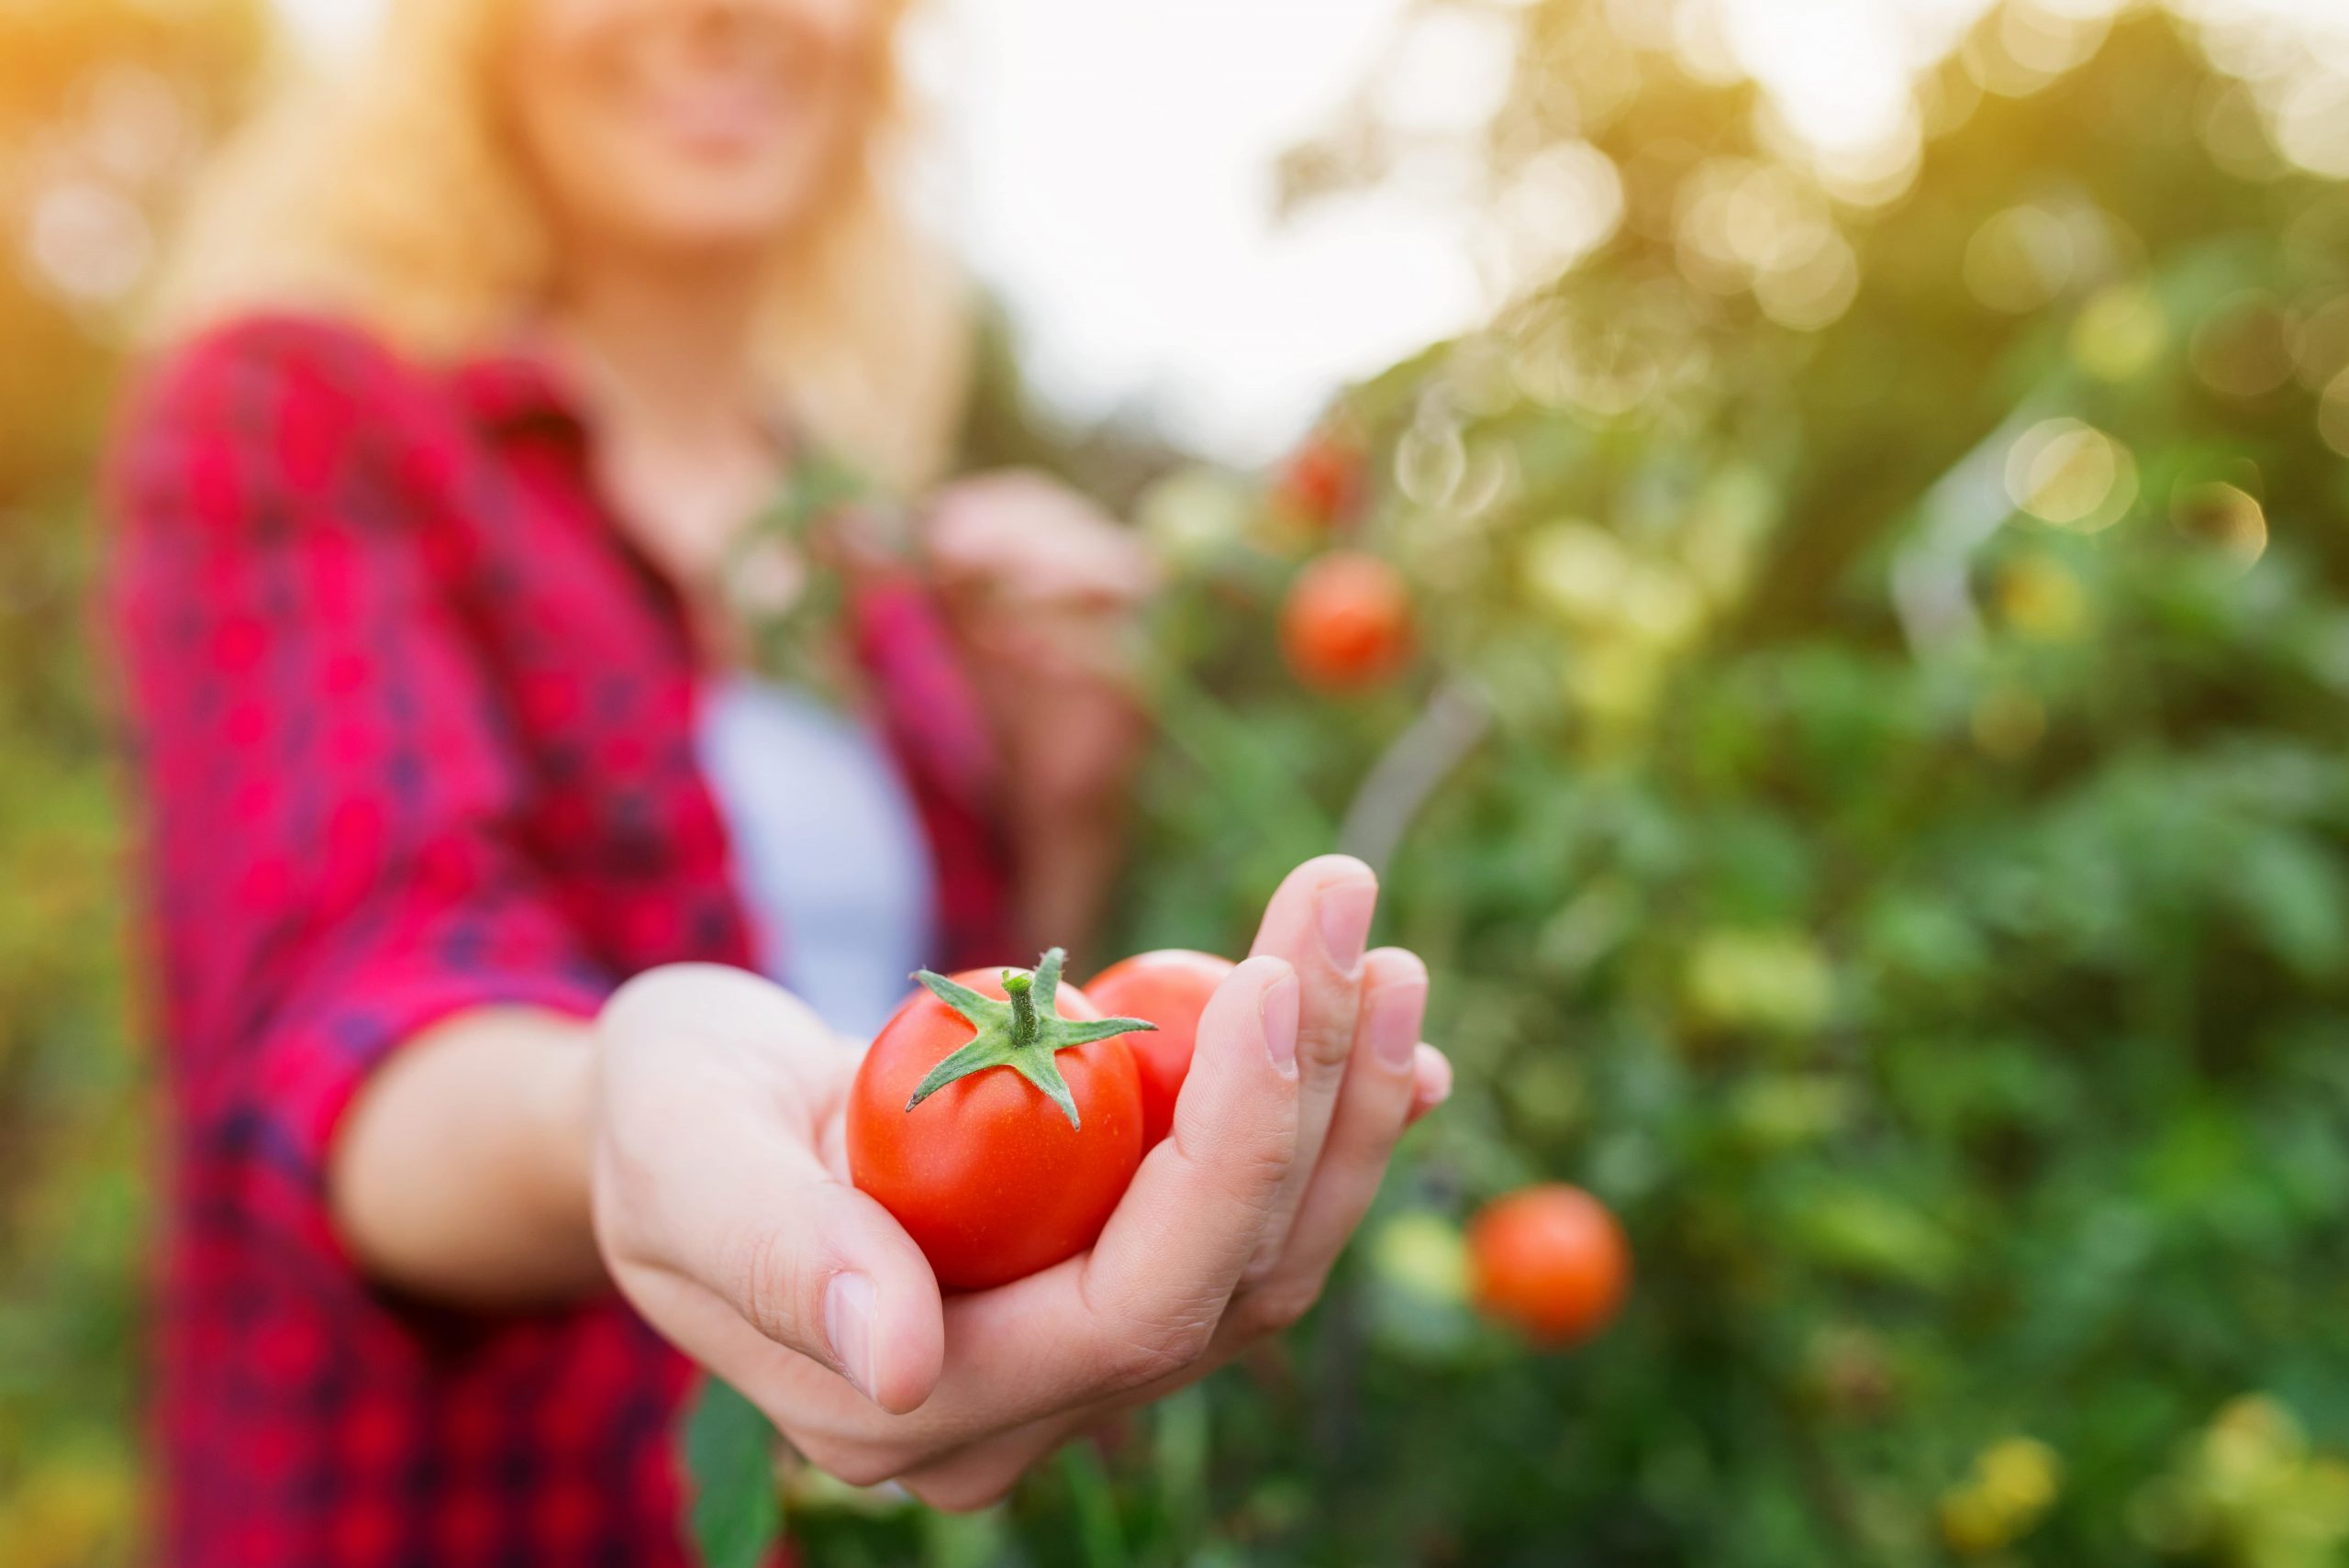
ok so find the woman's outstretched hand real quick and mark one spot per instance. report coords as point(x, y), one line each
point(723, 1210)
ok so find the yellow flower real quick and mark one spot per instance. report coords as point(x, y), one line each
point(2250, 1441)
point(1972, 1522)
point(2250, 1490)
point(2014, 1481)
point(2023, 1474)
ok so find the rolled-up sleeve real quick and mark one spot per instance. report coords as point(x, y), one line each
point(335, 854)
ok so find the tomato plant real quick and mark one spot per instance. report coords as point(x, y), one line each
point(1551, 1261)
point(1346, 623)
point(1169, 987)
point(998, 1117)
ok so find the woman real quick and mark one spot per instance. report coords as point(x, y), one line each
point(467, 823)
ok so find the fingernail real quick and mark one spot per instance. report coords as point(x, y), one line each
point(1279, 1010)
point(1432, 1087)
point(1393, 1025)
point(848, 1326)
point(1346, 909)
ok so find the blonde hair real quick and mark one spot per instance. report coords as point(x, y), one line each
point(396, 200)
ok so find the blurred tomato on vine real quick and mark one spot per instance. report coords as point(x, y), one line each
point(1346, 623)
point(1321, 481)
point(1550, 1262)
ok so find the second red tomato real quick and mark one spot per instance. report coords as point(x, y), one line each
point(1170, 988)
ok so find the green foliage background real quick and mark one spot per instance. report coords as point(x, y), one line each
point(104, 108)
point(1923, 920)
point(1905, 867)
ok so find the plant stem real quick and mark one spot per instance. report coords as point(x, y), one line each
point(1411, 770)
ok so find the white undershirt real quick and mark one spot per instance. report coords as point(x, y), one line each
point(830, 860)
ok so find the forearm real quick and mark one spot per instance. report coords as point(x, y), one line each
point(1065, 864)
point(461, 1173)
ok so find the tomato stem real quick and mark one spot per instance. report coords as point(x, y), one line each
point(1023, 1032)
point(1021, 989)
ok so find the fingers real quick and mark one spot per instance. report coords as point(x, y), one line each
point(1318, 921)
point(1374, 1107)
point(826, 1293)
point(1196, 1213)
point(1430, 1081)
point(1393, 1080)
point(1035, 540)
point(836, 1279)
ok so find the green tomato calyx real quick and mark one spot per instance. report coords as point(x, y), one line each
point(1023, 1033)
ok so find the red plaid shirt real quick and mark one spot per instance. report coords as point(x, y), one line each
point(414, 732)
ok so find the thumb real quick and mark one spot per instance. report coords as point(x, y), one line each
point(837, 1279)
point(716, 1210)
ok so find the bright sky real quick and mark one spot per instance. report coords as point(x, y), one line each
point(1117, 161)
point(1109, 172)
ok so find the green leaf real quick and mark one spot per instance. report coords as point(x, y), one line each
point(1041, 1070)
point(1023, 1034)
point(729, 1461)
point(1086, 1031)
point(2289, 888)
point(1048, 980)
point(984, 1050)
point(1873, 1234)
point(1094, 1506)
point(974, 1005)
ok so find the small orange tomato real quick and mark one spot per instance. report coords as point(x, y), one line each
point(1550, 1261)
point(1321, 480)
point(1169, 988)
point(1347, 622)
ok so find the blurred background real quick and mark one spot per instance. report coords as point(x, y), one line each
point(1860, 744)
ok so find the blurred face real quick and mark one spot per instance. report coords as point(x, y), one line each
point(687, 128)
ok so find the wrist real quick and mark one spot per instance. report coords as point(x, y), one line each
point(1046, 818)
point(461, 1173)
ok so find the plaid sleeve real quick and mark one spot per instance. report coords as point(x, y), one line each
point(331, 795)
point(931, 717)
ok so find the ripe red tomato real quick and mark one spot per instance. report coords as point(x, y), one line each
point(1347, 622)
point(1551, 1261)
point(998, 1118)
point(1170, 988)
